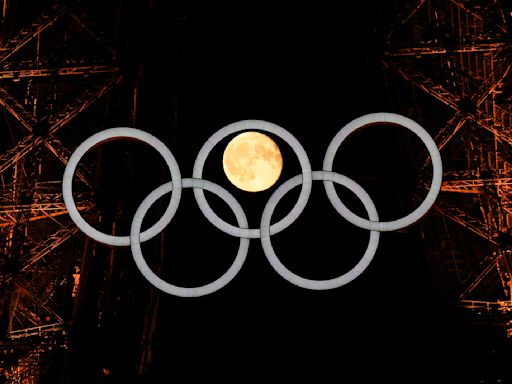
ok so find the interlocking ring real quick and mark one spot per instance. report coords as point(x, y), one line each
point(365, 121)
point(319, 284)
point(101, 137)
point(157, 281)
point(263, 126)
point(266, 228)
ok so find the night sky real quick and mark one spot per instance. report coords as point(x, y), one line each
point(310, 68)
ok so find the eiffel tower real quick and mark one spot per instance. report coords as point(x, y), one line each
point(57, 72)
point(448, 65)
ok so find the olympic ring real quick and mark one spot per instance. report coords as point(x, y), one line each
point(318, 284)
point(101, 137)
point(157, 281)
point(362, 122)
point(266, 228)
point(264, 126)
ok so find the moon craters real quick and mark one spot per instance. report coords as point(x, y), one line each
point(252, 161)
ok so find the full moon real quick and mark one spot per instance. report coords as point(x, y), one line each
point(252, 161)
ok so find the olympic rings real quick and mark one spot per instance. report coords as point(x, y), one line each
point(266, 228)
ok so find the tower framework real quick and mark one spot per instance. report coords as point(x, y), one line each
point(451, 62)
point(57, 77)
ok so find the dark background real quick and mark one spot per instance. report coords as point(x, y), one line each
point(310, 68)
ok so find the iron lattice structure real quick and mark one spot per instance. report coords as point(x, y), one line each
point(451, 62)
point(56, 71)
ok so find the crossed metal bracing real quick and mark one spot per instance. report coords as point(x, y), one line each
point(454, 57)
point(22, 357)
point(51, 72)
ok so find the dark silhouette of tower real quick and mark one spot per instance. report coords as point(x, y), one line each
point(57, 75)
point(451, 61)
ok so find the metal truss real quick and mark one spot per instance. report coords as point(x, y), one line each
point(40, 101)
point(456, 54)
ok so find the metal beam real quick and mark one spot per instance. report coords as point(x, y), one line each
point(440, 93)
point(22, 148)
point(486, 265)
point(50, 243)
point(39, 331)
point(470, 48)
point(26, 35)
point(30, 142)
point(87, 70)
point(79, 105)
point(16, 110)
point(473, 224)
point(37, 294)
point(474, 185)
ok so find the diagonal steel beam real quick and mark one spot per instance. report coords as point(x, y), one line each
point(463, 7)
point(16, 110)
point(22, 148)
point(22, 312)
point(453, 126)
point(80, 104)
point(62, 153)
point(499, 82)
point(443, 95)
point(486, 266)
point(427, 85)
point(53, 241)
point(36, 293)
point(458, 120)
point(473, 224)
point(28, 34)
point(414, 11)
point(30, 142)
point(408, 17)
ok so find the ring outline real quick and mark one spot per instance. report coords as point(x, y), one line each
point(363, 122)
point(159, 282)
point(97, 139)
point(300, 281)
point(267, 127)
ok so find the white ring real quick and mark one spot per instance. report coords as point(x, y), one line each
point(162, 284)
point(309, 283)
point(98, 138)
point(263, 126)
point(375, 118)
